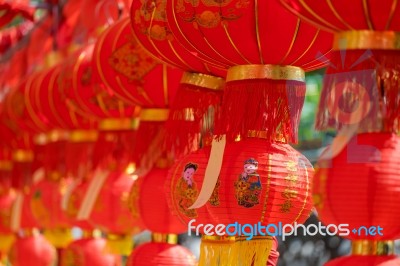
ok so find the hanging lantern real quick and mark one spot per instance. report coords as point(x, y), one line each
point(122, 66)
point(342, 190)
point(200, 91)
point(46, 205)
point(151, 203)
point(265, 82)
point(32, 250)
point(361, 84)
point(110, 211)
point(88, 251)
point(156, 254)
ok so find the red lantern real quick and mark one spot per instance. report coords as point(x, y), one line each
point(365, 260)
point(342, 191)
point(88, 251)
point(111, 210)
point(157, 254)
point(361, 79)
point(265, 82)
point(153, 205)
point(32, 250)
point(11, 9)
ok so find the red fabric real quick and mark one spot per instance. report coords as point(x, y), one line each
point(383, 15)
point(154, 35)
point(282, 39)
point(360, 186)
point(365, 261)
point(134, 76)
point(33, 251)
point(89, 251)
point(14, 8)
point(158, 254)
point(277, 190)
point(153, 205)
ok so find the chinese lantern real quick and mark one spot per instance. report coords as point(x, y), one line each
point(153, 208)
point(88, 251)
point(265, 81)
point(156, 254)
point(122, 66)
point(46, 205)
point(110, 211)
point(200, 91)
point(117, 120)
point(358, 186)
point(362, 76)
point(32, 250)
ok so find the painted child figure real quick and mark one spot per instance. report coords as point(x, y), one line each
point(248, 186)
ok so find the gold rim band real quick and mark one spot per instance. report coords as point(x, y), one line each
point(6, 165)
point(219, 239)
point(115, 124)
point(23, 156)
point(369, 247)
point(164, 238)
point(77, 136)
point(274, 72)
point(263, 135)
point(154, 115)
point(52, 136)
point(203, 81)
point(366, 39)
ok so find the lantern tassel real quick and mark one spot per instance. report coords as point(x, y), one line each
point(229, 251)
point(270, 107)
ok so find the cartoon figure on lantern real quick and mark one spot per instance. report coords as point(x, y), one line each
point(186, 190)
point(248, 185)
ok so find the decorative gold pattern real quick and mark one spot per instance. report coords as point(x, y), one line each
point(365, 39)
point(289, 192)
point(203, 81)
point(84, 136)
point(274, 72)
point(372, 248)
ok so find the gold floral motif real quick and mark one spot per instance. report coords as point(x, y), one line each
point(39, 210)
point(290, 192)
point(132, 62)
point(286, 206)
point(134, 201)
point(214, 199)
point(219, 12)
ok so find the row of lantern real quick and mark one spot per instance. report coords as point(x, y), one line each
point(258, 177)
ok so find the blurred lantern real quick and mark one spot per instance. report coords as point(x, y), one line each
point(200, 90)
point(46, 204)
point(362, 78)
point(359, 187)
point(265, 85)
point(11, 36)
point(122, 66)
point(106, 206)
point(118, 121)
point(32, 249)
point(88, 251)
point(157, 254)
point(151, 204)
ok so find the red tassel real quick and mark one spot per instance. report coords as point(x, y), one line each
point(79, 158)
point(361, 87)
point(269, 108)
point(191, 114)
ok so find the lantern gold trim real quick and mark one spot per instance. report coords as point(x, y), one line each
point(114, 124)
point(154, 115)
point(369, 247)
point(366, 39)
point(274, 72)
point(203, 81)
point(164, 238)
